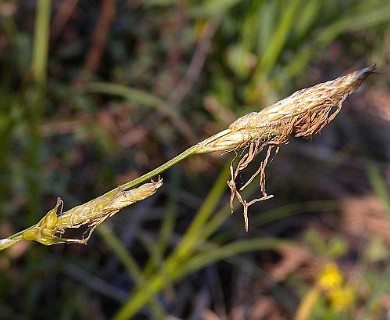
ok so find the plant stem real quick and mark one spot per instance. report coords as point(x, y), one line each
point(7, 242)
point(160, 169)
point(41, 36)
point(11, 240)
point(35, 100)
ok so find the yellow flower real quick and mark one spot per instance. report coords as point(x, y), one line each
point(341, 298)
point(330, 278)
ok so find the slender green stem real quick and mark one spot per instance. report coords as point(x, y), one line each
point(131, 265)
point(41, 36)
point(35, 102)
point(185, 250)
point(11, 240)
point(198, 148)
point(5, 243)
point(177, 269)
point(128, 185)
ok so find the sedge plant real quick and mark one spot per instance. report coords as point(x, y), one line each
point(302, 114)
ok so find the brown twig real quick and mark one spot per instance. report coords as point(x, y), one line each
point(63, 15)
point(99, 39)
point(196, 64)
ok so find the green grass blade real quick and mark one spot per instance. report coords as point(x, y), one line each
point(216, 254)
point(130, 264)
point(41, 37)
point(376, 16)
point(379, 185)
point(192, 238)
point(279, 37)
point(35, 99)
point(177, 269)
point(146, 99)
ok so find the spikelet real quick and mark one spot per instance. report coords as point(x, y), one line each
point(52, 226)
point(302, 114)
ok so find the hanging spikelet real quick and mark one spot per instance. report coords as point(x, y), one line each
point(302, 114)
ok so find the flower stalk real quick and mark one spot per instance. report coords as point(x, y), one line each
point(302, 114)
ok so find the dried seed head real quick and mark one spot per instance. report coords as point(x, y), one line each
point(303, 114)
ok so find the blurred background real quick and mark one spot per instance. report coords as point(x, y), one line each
point(96, 93)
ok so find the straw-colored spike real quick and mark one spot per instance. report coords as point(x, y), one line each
point(303, 114)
